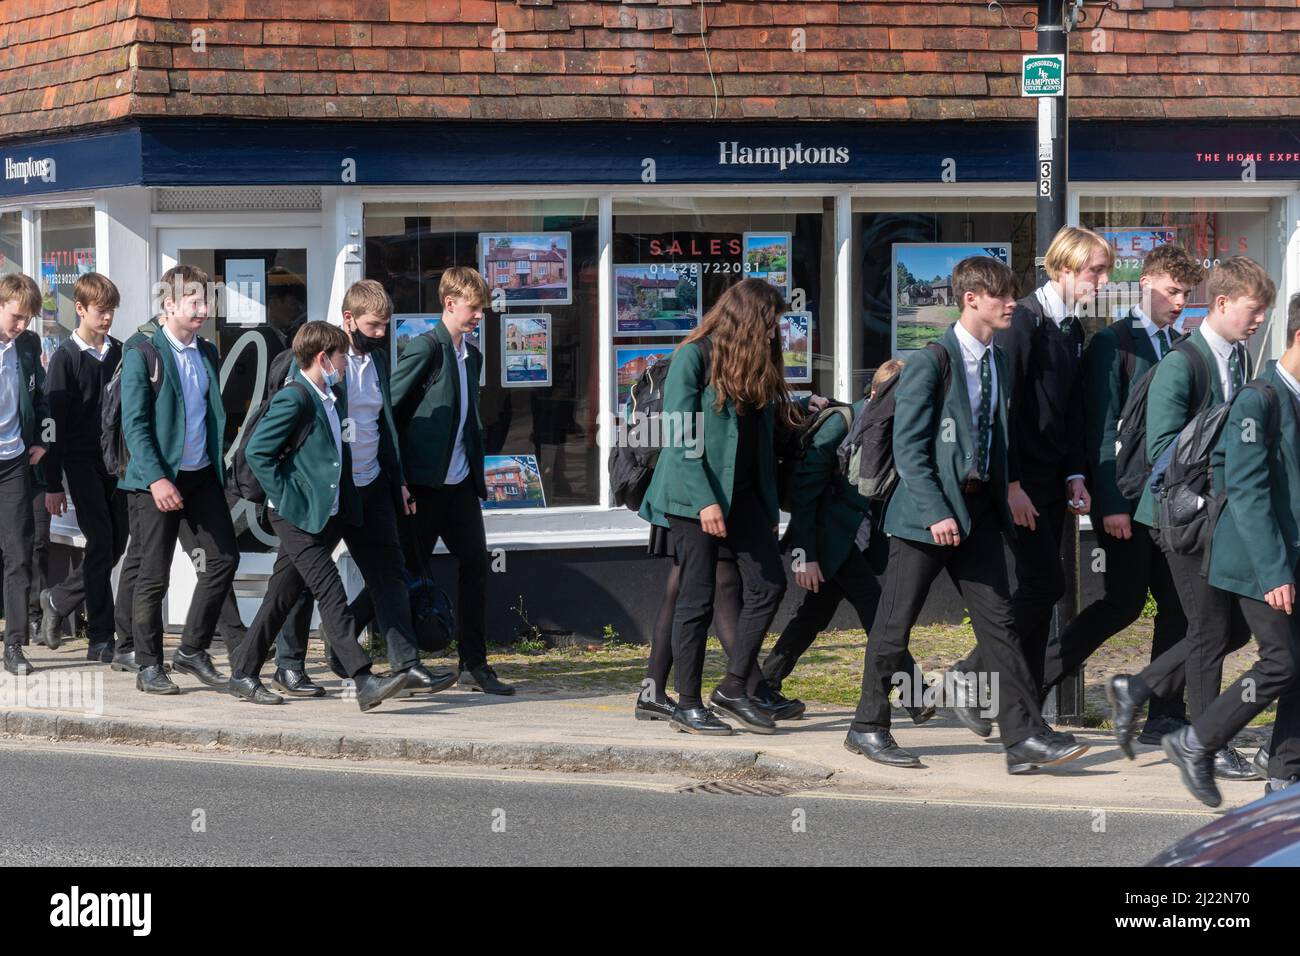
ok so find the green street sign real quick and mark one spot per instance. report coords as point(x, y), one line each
point(1043, 74)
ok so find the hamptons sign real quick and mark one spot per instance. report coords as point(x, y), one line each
point(1043, 74)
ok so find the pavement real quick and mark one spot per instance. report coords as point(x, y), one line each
point(572, 731)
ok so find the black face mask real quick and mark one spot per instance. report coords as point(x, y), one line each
point(363, 344)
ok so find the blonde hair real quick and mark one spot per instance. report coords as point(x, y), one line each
point(1071, 249)
point(1238, 276)
point(24, 288)
point(463, 282)
point(367, 297)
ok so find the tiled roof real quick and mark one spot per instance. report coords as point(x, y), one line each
point(66, 64)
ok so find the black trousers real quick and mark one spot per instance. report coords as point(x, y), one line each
point(206, 519)
point(1132, 567)
point(102, 517)
point(16, 534)
point(41, 555)
point(1272, 677)
point(753, 543)
point(978, 569)
point(304, 561)
point(377, 549)
point(454, 514)
point(1040, 579)
point(854, 582)
point(230, 625)
point(1215, 628)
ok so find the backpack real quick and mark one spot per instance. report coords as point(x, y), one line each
point(639, 438)
point(240, 480)
point(112, 440)
point(1132, 467)
point(1182, 481)
point(866, 456)
point(402, 414)
point(795, 448)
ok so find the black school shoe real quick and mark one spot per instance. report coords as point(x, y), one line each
point(484, 679)
point(1157, 728)
point(745, 712)
point(100, 653)
point(699, 720)
point(776, 705)
point(295, 683)
point(654, 710)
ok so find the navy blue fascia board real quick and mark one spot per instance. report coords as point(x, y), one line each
point(96, 159)
point(197, 152)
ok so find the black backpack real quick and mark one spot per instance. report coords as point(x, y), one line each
point(795, 446)
point(240, 480)
point(112, 440)
point(1182, 480)
point(866, 455)
point(1132, 467)
point(639, 436)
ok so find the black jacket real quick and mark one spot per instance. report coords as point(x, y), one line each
point(1045, 398)
point(74, 386)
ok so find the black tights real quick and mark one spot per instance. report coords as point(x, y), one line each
point(726, 614)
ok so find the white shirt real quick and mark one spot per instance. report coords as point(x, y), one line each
point(365, 402)
point(458, 469)
point(1221, 348)
point(194, 389)
point(972, 353)
point(11, 383)
point(1153, 332)
point(327, 399)
point(100, 353)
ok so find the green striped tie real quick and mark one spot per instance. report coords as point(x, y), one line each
point(1237, 368)
point(1163, 338)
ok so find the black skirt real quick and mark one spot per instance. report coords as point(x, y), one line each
point(659, 546)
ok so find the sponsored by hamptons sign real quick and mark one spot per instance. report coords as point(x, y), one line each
point(1042, 74)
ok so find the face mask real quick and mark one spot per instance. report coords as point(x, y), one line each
point(332, 377)
point(363, 344)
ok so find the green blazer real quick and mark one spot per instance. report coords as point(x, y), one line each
point(686, 481)
point(827, 509)
point(33, 409)
point(1169, 408)
point(302, 487)
point(428, 437)
point(931, 468)
point(155, 428)
point(1257, 537)
point(1105, 389)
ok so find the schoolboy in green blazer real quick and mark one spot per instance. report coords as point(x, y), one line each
point(312, 499)
point(1253, 559)
point(23, 412)
point(949, 511)
point(174, 480)
point(1116, 357)
point(1240, 294)
point(435, 395)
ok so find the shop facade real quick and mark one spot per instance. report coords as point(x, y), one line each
point(603, 243)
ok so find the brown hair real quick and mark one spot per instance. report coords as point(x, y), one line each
point(463, 282)
point(1292, 319)
point(1176, 262)
point(316, 337)
point(1071, 249)
point(16, 285)
point(981, 274)
point(746, 368)
point(1238, 276)
point(367, 297)
point(883, 374)
point(96, 290)
point(178, 282)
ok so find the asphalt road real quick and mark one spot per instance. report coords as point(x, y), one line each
point(63, 805)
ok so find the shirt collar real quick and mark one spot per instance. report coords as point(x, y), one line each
point(361, 361)
point(463, 349)
point(6, 346)
point(194, 342)
point(1218, 344)
point(969, 344)
point(1053, 304)
point(87, 347)
point(325, 395)
point(1289, 380)
point(1151, 328)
